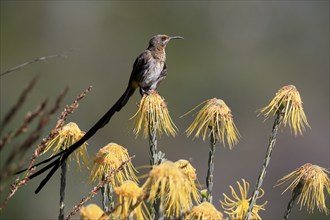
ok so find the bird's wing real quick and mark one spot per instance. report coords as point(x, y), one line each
point(141, 64)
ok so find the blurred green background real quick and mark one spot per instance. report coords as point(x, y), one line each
point(239, 51)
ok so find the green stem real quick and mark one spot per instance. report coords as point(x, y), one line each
point(62, 189)
point(272, 141)
point(209, 177)
point(111, 196)
point(108, 201)
point(156, 210)
point(152, 141)
point(104, 198)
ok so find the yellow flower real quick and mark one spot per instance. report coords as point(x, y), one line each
point(110, 158)
point(204, 211)
point(68, 135)
point(153, 113)
point(288, 101)
point(216, 116)
point(191, 175)
point(129, 196)
point(310, 180)
point(167, 183)
point(237, 207)
point(92, 212)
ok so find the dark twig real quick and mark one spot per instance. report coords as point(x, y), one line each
point(295, 193)
point(19, 103)
point(97, 188)
point(62, 189)
point(44, 59)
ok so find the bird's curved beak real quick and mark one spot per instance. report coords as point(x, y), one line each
point(176, 37)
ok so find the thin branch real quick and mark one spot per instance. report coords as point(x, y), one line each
point(67, 111)
point(44, 59)
point(58, 101)
point(19, 103)
point(19, 149)
point(29, 117)
point(272, 140)
point(97, 188)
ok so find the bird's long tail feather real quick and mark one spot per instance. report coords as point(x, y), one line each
point(63, 155)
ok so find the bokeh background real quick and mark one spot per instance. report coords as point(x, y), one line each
point(239, 51)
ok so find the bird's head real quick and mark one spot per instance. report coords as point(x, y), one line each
point(161, 40)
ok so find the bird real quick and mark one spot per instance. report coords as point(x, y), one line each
point(149, 69)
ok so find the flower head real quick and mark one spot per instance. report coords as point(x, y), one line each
point(92, 212)
point(131, 195)
point(204, 211)
point(68, 135)
point(216, 117)
point(310, 181)
point(167, 183)
point(153, 113)
point(288, 101)
point(110, 158)
point(191, 175)
point(237, 207)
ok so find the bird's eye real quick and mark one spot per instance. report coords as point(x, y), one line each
point(164, 38)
